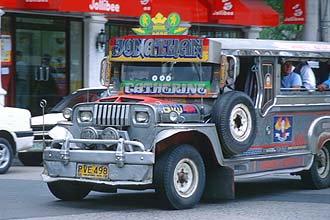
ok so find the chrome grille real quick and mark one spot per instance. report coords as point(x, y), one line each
point(112, 115)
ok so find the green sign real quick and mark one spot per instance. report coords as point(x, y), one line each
point(201, 88)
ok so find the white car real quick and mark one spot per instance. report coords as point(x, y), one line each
point(41, 125)
point(15, 134)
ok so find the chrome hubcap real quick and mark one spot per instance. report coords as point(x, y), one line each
point(240, 122)
point(323, 162)
point(185, 178)
point(4, 155)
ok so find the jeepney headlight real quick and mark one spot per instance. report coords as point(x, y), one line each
point(88, 133)
point(174, 116)
point(142, 117)
point(67, 113)
point(110, 133)
point(85, 116)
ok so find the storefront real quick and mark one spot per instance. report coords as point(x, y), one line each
point(46, 58)
point(49, 46)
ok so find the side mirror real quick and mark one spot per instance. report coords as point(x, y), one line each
point(223, 71)
point(233, 69)
point(105, 73)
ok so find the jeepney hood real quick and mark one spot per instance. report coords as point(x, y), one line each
point(186, 112)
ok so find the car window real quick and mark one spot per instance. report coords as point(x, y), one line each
point(78, 97)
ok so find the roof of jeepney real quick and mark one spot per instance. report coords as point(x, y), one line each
point(274, 47)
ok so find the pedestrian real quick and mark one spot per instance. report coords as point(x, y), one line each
point(22, 78)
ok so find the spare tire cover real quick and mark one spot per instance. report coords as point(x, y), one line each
point(235, 120)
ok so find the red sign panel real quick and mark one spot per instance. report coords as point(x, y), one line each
point(37, 4)
point(294, 12)
point(223, 9)
point(146, 4)
point(7, 3)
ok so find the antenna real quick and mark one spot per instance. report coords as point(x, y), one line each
point(43, 104)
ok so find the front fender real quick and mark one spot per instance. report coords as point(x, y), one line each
point(207, 130)
point(318, 133)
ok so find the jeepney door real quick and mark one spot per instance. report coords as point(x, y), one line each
point(267, 78)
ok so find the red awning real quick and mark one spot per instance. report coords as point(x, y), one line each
point(7, 3)
point(251, 13)
point(192, 11)
point(246, 12)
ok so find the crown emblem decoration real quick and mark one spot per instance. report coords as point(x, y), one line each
point(159, 25)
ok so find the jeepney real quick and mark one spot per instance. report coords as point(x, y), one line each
point(187, 115)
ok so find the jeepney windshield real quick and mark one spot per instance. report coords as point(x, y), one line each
point(166, 71)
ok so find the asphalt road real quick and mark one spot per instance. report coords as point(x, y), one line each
point(24, 196)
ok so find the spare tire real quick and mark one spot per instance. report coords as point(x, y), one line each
point(235, 120)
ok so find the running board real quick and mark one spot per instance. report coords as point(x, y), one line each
point(268, 164)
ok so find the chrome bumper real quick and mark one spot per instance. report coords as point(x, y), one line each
point(125, 167)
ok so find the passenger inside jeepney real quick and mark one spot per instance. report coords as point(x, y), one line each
point(307, 75)
point(290, 79)
point(325, 83)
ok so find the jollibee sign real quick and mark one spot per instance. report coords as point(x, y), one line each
point(104, 5)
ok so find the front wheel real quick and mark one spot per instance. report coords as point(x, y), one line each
point(318, 176)
point(69, 191)
point(6, 155)
point(180, 177)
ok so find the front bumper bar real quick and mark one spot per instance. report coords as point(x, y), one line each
point(125, 167)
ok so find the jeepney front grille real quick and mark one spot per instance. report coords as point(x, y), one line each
point(112, 115)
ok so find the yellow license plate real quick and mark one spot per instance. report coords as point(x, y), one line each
point(92, 171)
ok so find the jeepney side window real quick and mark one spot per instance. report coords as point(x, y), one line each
point(267, 74)
point(321, 70)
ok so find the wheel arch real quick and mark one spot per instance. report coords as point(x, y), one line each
point(204, 141)
point(9, 137)
point(319, 134)
point(219, 178)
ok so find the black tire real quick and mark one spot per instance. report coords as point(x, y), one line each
point(318, 176)
point(235, 120)
point(69, 191)
point(6, 155)
point(179, 177)
point(30, 158)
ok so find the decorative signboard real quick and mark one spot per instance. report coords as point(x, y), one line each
point(160, 25)
point(159, 48)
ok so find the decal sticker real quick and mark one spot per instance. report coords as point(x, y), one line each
point(268, 81)
point(283, 128)
point(186, 108)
